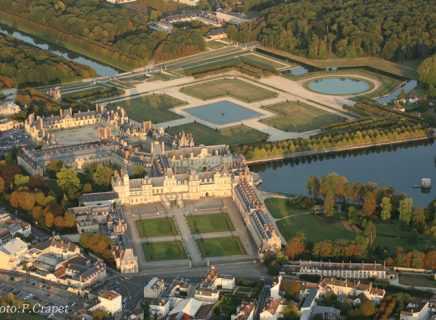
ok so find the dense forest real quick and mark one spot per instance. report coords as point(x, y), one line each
point(113, 33)
point(24, 64)
point(392, 29)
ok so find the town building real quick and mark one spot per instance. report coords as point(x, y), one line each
point(352, 289)
point(273, 309)
point(340, 269)
point(154, 288)
point(55, 93)
point(231, 17)
point(216, 34)
point(215, 280)
point(10, 227)
point(191, 309)
point(160, 307)
point(110, 301)
point(8, 124)
point(9, 108)
point(11, 254)
point(245, 311)
point(416, 309)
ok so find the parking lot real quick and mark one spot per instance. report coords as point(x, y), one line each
point(35, 291)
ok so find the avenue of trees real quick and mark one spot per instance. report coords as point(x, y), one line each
point(392, 29)
point(427, 75)
point(22, 64)
point(114, 33)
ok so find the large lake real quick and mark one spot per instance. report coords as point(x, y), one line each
point(101, 69)
point(401, 167)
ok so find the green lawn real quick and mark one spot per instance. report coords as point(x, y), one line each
point(235, 88)
point(296, 116)
point(171, 250)
point(215, 44)
point(210, 223)
point(159, 227)
point(315, 228)
point(391, 235)
point(268, 62)
point(280, 208)
point(208, 136)
point(218, 247)
point(151, 107)
point(417, 280)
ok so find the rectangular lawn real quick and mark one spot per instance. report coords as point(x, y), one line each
point(297, 117)
point(157, 251)
point(208, 136)
point(218, 247)
point(280, 208)
point(417, 280)
point(159, 227)
point(153, 107)
point(210, 223)
point(235, 88)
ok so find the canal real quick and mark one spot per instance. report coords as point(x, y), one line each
point(101, 69)
point(399, 166)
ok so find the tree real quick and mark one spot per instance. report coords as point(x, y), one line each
point(2, 185)
point(369, 203)
point(386, 209)
point(70, 221)
point(290, 312)
point(53, 167)
point(67, 178)
point(102, 175)
point(138, 171)
point(427, 71)
point(329, 204)
point(49, 219)
point(406, 209)
point(21, 180)
point(370, 232)
point(367, 308)
point(294, 247)
point(100, 314)
point(312, 186)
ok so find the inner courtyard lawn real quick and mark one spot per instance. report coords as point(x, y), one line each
point(218, 247)
point(160, 227)
point(235, 88)
point(153, 107)
point(171, 250)
point(234, 135)
point(296, 116)
point(210, 223)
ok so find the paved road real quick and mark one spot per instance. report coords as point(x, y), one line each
point(185, 231)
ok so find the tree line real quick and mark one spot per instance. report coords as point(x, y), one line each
point(392, 29)
point(113, 34)
point(23, 64)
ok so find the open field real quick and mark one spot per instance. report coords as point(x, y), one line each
point(281, 208)
point(151, 107)
point(391, 235)
point(417, 280)
point(217, 247)
point(235, 88)
point(171, 250)
point(159, 227)
point(265, 61)
point(402, 70)
point(210, 223)
point(317, 228)
point(297, 116)
point(207, 136)
point(213, 44)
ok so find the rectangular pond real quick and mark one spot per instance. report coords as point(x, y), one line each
point(222, 112)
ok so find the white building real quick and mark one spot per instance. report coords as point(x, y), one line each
point(416, 309)
point(191, 309)
point(245, 311)
point(154, 288)
point(9, 108)
point(273, 310)
point(111, 302)
point(352, 289)
point(11, 254)
point(160, 307)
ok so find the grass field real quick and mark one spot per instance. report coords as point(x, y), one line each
point(417, 280)
point(281, 208)
point(210, 223)
point(392, 235)
point(207, 136)
point(151, 107)
point(296, 116)
point(317, 228)
point(268, 62)
point(156, 251)
point(235, 88)
point(404, 70)
point(215, 44)
point(159, 227)
point(218, 247)
point(314, 228)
